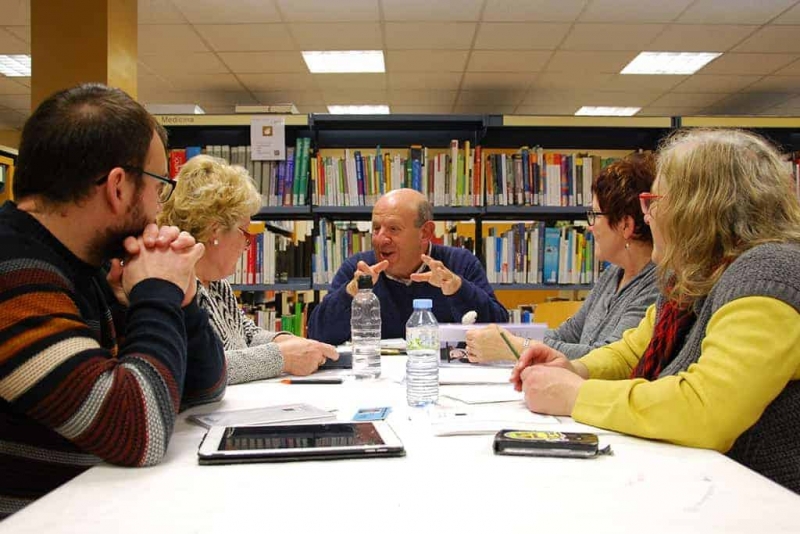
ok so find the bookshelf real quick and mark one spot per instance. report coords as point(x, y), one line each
point(8, 159)
point(332, 135)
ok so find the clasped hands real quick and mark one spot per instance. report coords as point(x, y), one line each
point(437, 275)
point(163, 252)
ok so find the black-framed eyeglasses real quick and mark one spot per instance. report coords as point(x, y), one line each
point(591, 216)
point(247, 236)
point(165, 187)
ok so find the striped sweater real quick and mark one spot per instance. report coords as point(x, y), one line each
point(81, 383)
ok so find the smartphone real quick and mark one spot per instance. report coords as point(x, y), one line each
point(546, 443)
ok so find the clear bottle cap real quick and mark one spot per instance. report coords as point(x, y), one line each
point(423, 304)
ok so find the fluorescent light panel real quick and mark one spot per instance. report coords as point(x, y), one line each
point(359, 110)
point(669, 62)
point(345, 61)
point(607, 111)
point(16, 66)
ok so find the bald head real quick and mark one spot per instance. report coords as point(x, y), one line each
point(402, 227)
point(409, 202)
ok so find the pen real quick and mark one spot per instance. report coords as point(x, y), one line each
point(510, 346)
point(311, 381)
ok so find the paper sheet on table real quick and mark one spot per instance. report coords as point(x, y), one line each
point(482, 394)
point(473, 375)
point(481, 420)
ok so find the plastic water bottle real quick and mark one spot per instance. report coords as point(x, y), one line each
point(365, 329)
point(422, 346)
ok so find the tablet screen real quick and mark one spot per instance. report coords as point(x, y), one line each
point(300, 437)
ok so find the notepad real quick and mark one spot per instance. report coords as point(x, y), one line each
point(480, 420)
point(483, 394)
point(474, 375)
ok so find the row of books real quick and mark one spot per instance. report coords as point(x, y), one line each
point(273, 258)
point(460, 176)
point(534, 253)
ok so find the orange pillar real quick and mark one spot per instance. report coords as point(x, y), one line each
point(82, 41)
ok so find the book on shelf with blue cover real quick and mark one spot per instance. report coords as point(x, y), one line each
point(552, 243)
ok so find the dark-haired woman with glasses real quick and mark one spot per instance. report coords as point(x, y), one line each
point(623, 292)
point(214, 201)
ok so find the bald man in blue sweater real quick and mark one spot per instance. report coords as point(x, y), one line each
point(405, 265)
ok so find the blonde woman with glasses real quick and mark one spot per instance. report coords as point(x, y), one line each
point(214, 201)
point(715, 363)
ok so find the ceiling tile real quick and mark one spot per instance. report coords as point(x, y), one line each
point(489, 109)
point(339, 97)
point(700, 37)
point(520, 35)
point(159, 12)
point(587, 61)
point(25, 81)
point(299, 98)
point(532, 10)
point(277, 82)
point(11, 44)
point(641, 82)
point(12, 120)
point(246, 37)
point(426, 60)
point(417, 108)
point(793, 103)
point(793, 69)
point(203, 82)
point(218, 98)
point(701, 83)
point(187, 63)
point(733, 63)
point(425, 98)
point(372, 81)
point(746, 103)
point(425, 10)
point(20, 103)
point(540, 96)
point(734, 11)
point(337, 35)
point(425, 80)
point(503, 61)
point(671, 100)
point(255, 62)
point(306, 109)
point(611, 36)
point(16, 12)
point(792, 16)
point(668, 111)
point(175, 38)
point(147, 85)
point(772, 39)
point(238, 12)
point(11, 86)
point(630, 99)
point(489, 97)
point(21, 32)
point(328, 11)
point(434, 35)
point(566, 80)
point(775, 84)
point(633, 10)
point(497, 81)
point(564, 108)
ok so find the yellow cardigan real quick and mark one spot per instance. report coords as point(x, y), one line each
point(750, 352)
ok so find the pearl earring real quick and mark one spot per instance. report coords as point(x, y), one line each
point(216, 242)
point(627, 245)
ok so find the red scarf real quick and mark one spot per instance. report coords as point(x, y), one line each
point(670, 332)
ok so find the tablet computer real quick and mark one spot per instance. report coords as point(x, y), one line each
point(282, 443)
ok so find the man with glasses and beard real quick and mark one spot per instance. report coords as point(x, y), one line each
point(94, 366)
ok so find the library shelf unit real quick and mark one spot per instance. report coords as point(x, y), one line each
point(611, 136)
point(8, 160)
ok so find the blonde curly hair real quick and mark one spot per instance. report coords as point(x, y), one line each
point(725, 192)
point(209, 192)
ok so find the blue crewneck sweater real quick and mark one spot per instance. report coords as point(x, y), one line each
point(330, 320)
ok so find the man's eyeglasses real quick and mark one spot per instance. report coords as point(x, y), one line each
point(247, 236)
point(165, 188)
point(646, 201)
point(591, 216)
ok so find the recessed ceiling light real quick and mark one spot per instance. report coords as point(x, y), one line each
point(669, 62)
point(359, 110)
point(607, 111)
point(345, 61)
point(17, 65)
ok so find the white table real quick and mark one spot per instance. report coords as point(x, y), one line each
point(444, 484)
